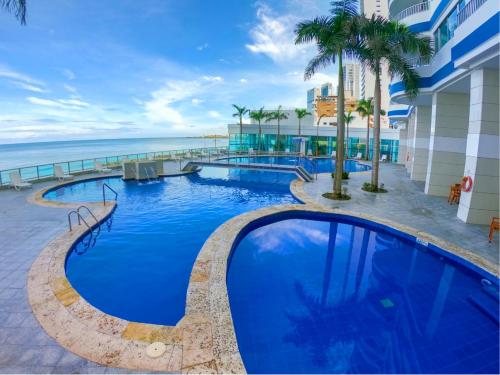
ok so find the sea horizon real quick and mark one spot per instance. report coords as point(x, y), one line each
point(19, 155)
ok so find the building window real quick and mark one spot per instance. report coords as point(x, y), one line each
point(446, 29)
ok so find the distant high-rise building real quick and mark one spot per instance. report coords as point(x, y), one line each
point(327, 89)
point(379, 8)
point(312, 94)
point(351, 81)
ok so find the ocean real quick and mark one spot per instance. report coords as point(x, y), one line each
point(28, 154)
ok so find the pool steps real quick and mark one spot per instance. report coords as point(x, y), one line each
point(300, 171)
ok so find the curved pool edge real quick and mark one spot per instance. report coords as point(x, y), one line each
point(208, 289)
point(204, 339)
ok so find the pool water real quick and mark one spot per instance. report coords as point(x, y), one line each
point(312, 165)
point(313, 295)
point(140, 265)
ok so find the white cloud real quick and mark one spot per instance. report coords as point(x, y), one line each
point(70, 88)
point(243, 80)
point(59, 103)
point(69, 74)
point(274, 36)
point(27, 86)
point(214, 114)
point(213, 78)
point(21, 80)
point(196, 101)
point(202, 47)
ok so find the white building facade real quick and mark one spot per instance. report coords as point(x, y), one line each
point(452, 127)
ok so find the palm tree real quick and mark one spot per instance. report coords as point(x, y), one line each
point(348, 118)
point(18, 7)
point(391, 44)
point(336, 36)
point(277, 115)
point(258, 116)
point(301, 113)
point(240, 112)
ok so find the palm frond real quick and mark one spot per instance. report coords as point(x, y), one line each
point(17, 7)
point(344, 7)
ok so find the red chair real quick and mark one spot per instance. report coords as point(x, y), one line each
point(494, 226)
point(454, 196)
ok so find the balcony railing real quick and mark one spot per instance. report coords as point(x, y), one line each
point(47, 171)
point(414, 9)
point(468, 10)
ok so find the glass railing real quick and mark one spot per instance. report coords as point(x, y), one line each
point(47, 171)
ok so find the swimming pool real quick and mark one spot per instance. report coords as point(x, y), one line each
point(314, 293)
point(312, 165)
point(140, 265)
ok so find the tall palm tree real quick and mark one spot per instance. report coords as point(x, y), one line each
point(277, 115)
point(240, 112)
point(365, 109)
point(348, 118)
point(258, 116)
point(301, 113)
point(391, 44)
point(336, 36)
point(18, 7)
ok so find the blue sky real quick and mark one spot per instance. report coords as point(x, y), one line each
point(108, 69)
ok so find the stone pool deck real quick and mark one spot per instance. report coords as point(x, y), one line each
point(25, 229)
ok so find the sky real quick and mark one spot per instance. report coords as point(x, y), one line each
point(96, 69)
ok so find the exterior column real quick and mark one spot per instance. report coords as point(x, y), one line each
point(403, 134)
point(482, 153)
point(409, 141)
point(450, 120)
point(418, 169)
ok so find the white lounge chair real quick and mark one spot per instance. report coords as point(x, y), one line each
point(251, 151)
point(16, 181)
point(309, 152)
point(383, 158)
point(101, 168)
point(359, 156)
point(333, 154)
point(287, 150)
point(59, 173)
point(271, 150)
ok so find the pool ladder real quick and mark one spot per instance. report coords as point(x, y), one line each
point(104, 186)
point(92, 238)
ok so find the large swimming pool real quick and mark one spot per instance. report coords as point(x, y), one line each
point(312, 165)
point(316, 294)
point(140, 265)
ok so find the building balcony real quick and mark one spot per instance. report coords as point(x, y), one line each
point(414, 14)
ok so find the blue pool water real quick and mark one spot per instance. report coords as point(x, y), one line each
point(312, 295)
point(140, 265)
point(313, 165)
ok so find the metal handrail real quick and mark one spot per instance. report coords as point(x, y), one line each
point(91, 214)
point(414, 9)
point(80, 219)
point(105, 185)
point(468, 10)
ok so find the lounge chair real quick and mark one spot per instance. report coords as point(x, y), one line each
point(333, 154)
point(271, 150)
point(101, 168)
point(383, 158)
point(59, 173)
point(16, 181)
point(359, 156)
point(251, 151)
point(309, 152)
point(287, 150)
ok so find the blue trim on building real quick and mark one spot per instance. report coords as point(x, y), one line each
point(398, 112)
point(484, 32)
point(427, 26)
point(420, 27)
point(487, 30)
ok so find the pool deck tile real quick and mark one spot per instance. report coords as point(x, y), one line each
point(204, 340)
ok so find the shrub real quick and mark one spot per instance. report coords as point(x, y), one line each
point(345, 175)
point(339, 197)
point(367, 186)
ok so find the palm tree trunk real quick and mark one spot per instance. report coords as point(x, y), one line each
point(347, 137)
point(339, 163)
point(299, 127)
point(278, 140)
point(367, 156)
point(376, 130)
point(260, 136)
point(241, 132)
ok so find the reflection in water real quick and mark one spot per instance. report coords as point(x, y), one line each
point(356, 301)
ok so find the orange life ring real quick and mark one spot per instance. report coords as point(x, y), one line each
point(466, 184)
